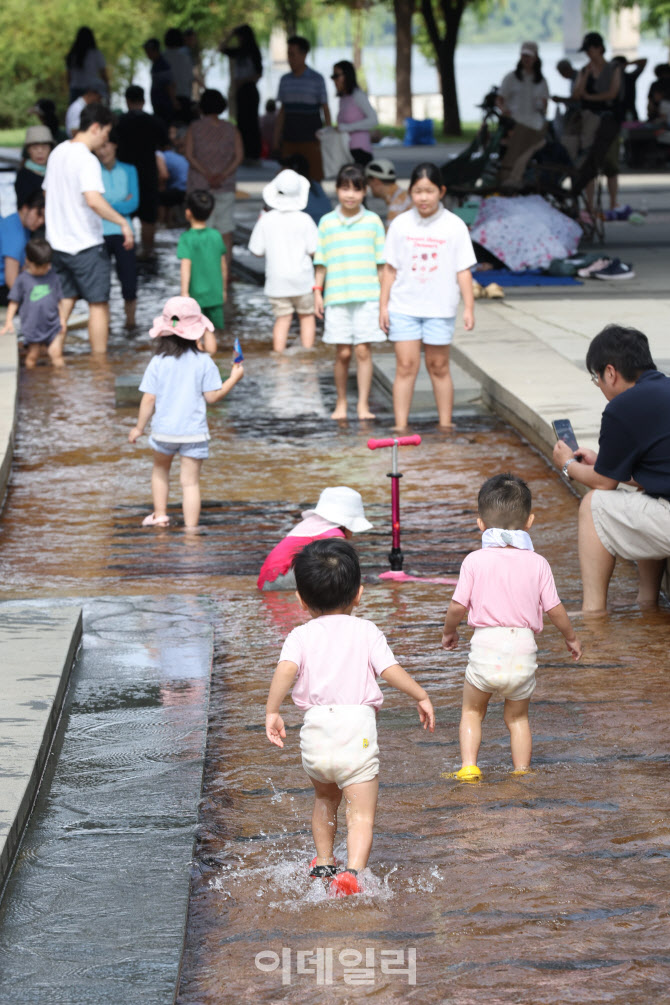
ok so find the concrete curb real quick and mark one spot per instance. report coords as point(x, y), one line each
point(9, 374)
point(526, 381)
point(37, 650)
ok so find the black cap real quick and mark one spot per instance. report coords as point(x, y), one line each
point(592, 38)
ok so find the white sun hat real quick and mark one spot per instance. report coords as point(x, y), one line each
point(288, 191)
point(342, 506)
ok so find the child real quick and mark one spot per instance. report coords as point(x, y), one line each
point(382, 182)
point(332, 663)
point(203, 258)
point(428, 259)
point(338, 513)
point(505, 587)
point(38, 297)
point(350, 256)
point(287, 237)
point(178, 382)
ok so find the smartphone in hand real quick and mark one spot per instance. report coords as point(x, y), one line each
point(238, 355)
point(564, 431)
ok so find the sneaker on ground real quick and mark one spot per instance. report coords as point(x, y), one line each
point(616, 270)
point(344, 884)
point(588, 270)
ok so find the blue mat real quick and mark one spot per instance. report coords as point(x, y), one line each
point(531, 277)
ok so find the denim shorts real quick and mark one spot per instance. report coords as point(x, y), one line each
point(430, 331)
point(198, 451)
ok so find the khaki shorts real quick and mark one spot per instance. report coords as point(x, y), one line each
point(632, 525)
point(303, 304)
point(339, 744)
point(502, 662)
point(222, 214)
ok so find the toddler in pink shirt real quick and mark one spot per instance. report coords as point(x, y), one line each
point(505, 589)
point(332, 663)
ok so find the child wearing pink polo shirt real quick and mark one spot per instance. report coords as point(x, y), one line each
point(505, 588)
point(332, 664)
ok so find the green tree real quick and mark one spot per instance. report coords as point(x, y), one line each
point(33, 50)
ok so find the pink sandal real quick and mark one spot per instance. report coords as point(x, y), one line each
point(156, 521)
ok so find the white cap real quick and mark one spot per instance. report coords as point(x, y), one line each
point(343, 507)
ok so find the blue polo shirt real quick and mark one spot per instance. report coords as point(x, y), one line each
point(13, 239)
point(635, 435)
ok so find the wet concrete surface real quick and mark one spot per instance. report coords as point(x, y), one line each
point(520, 889)
point(37, 649)
point(95, 909)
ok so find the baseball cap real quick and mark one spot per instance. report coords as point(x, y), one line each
point(529, 49)
point(381, 168)
point(592, 38)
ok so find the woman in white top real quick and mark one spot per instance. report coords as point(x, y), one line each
point(356, 115)
point(523, 97)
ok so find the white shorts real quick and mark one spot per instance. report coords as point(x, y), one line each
point(339, 744)
point(352, 324)
point(502, 662)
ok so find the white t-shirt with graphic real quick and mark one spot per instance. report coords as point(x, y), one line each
point(427, 252)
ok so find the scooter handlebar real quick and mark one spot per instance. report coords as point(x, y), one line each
point(402, 441)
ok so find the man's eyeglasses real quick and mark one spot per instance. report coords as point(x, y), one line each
point(595, 379)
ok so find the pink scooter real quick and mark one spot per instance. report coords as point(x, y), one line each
point(395, 555)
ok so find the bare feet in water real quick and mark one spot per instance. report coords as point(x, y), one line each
point(365, 413)
point(340, 412)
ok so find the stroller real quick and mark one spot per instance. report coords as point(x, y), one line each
point(475, 170)
point(550, 173)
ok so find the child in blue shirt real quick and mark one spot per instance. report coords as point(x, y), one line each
point(37, 296)
point(179, 383)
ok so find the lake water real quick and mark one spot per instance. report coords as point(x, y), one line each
point(478, 67)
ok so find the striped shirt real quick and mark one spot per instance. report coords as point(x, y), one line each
point(350, 248)
point(301, 98)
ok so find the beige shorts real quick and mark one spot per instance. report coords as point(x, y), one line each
point(502, 662)
point(303, 304)
point(632, 525)
point(222, 214)
point(339, 744)
point(353, 323)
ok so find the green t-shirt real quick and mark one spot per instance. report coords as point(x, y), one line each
point(204, 247)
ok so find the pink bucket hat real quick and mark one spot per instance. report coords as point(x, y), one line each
point(181, 316)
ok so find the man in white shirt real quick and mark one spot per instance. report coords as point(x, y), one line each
point(75, 209)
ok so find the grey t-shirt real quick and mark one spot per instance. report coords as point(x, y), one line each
point(37, 297)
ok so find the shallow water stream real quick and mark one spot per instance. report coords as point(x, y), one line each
point(544, 888)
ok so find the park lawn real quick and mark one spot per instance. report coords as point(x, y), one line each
point(12, 137)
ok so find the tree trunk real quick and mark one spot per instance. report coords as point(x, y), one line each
point(357, 39)
point(403, 55)
point(445, 50)
point(450, 110)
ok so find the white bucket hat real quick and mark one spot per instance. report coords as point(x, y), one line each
point(288, 191)
point(342, 506)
